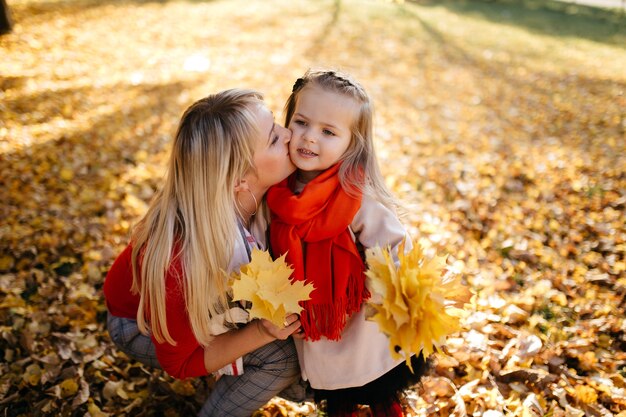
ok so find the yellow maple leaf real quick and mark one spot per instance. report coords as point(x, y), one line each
point(456, 293)
point(267, 285)
point(416, 304)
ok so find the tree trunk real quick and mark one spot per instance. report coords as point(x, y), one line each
point(5, 18)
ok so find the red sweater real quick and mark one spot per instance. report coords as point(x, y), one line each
point(186, 358)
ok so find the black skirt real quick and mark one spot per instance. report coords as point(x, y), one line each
point(381, 391)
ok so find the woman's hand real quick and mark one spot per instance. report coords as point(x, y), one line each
point(225, 348)
point(267, 328)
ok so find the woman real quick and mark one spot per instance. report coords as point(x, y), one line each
point(167, 292)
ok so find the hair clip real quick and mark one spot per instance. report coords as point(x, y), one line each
point(345, 81)
point(297, 85)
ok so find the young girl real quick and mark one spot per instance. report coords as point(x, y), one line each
point(324, 216)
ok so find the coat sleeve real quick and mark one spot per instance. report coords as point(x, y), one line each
point(376, 225)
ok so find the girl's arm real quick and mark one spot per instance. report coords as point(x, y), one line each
point(376, 225)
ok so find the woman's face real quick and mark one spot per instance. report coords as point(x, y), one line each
point(271, 155)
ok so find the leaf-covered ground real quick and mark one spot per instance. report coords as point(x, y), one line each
point(500, 124)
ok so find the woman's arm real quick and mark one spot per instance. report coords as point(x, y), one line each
point(187, 358)
point(227, 347)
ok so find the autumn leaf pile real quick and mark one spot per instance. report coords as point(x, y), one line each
point(500, 124)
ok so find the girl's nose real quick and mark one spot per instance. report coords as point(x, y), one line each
point(308, 136)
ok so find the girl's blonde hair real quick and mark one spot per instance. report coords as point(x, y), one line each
point(193, 216)
point(359, 171)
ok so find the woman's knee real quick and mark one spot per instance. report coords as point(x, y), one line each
point(114, 327)
point(278, 357)
point(126, 336)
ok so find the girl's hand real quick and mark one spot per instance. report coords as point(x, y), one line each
point(267, 328)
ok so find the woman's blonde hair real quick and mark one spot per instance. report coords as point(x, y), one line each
point(193, 217)
point(359, 171)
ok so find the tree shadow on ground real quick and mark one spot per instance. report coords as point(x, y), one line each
point(119, 131)
point(547, 17)
point(37, 10)
point(574, 128)
point(318, 43)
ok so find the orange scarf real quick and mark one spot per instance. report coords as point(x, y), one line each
point(312, 227)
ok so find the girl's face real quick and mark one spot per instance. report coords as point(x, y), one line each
point(271, 155)
point(321, 126)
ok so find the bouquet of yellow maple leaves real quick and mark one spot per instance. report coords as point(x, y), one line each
point(415, 304)
point(267, 285)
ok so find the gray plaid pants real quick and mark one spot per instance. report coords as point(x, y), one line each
point(267, 371)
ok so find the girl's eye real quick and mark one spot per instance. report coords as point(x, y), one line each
point(274, 139)
point(299, 122)
point(328, 132)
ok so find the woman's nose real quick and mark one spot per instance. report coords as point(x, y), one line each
point(286, 135)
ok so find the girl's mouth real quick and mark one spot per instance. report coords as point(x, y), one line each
point(306, 153)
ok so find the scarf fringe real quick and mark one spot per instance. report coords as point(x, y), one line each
point(329, 320)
